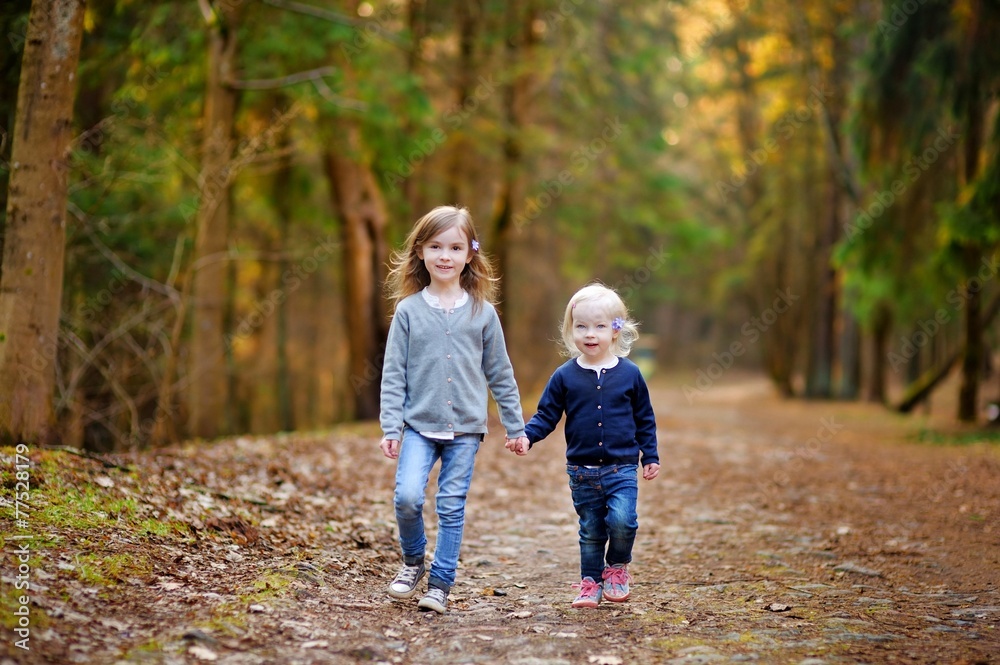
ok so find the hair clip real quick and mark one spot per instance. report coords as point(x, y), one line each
point(617, 324)
point(475, 245)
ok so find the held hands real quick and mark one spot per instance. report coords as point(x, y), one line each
point(650, 471)
point(519, 445)
point(390, 448)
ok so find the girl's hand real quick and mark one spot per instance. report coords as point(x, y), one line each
point(390, 448)
point(518, 446)
point(650, 471)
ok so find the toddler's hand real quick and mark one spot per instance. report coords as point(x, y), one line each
point(650, 471)
point(390, 448)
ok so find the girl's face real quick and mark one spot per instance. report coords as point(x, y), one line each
point(592, 332)
point(445, 256)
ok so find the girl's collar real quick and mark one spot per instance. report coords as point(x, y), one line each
point(608, 365)
point(435, 302)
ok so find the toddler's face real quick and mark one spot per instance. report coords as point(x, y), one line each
point(592, 332)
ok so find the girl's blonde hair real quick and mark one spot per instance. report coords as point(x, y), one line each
point(613, 306)
point(409, 275)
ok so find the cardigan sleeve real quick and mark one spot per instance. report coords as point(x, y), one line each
point(550, 410)
point(500, 376)
point(393, 394)
point(645, 422)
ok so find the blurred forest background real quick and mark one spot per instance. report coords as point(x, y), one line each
point(201, 196)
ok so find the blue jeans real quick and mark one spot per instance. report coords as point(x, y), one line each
point(417, 455)
point(605, 500)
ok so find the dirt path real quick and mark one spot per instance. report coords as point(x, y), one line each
point(779, 532)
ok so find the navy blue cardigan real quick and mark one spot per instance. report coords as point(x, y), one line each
point(609, 419)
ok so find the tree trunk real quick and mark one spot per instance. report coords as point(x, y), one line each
point(819, 372)
point(361, 209)
point(283, 207)
point(924, 386)
point(207, 384)
point(467, 22)
point(31, 274)
point(972, 358)
point(850, 358)
point(880, 341)
point(516, 97)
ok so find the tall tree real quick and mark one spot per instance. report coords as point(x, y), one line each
point(31, 274)
point(358, 201)
point(932, 80)
point(207, 385)
point(521, 42)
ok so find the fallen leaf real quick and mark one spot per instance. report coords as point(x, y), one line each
point(104, 481)
point(778, 607)
point(315, 644)
point(520, 615)
point(605, 660)
point(203, 653)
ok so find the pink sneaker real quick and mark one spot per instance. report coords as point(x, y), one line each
point(590, 593)
point(616, 582)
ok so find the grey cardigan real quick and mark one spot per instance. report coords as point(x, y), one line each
point(437, 369)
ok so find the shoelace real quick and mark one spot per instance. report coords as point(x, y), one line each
point(616, 575)
point(436, 594)
point(587, 587)
point(407, 575)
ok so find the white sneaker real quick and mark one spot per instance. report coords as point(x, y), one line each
point(435, 599)
point(405, 583)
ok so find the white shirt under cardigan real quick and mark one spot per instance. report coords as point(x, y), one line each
point(439, 365)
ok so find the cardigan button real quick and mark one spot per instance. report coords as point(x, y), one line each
point(449, 379)
point(600, 443)
point(598, 387)
point(449, 402)
point(600, 424)
point(598, 406)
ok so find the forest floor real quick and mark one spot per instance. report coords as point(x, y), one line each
point(778, 532)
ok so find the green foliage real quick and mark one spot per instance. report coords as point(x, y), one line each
point(970, 438)
point(937, 53)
